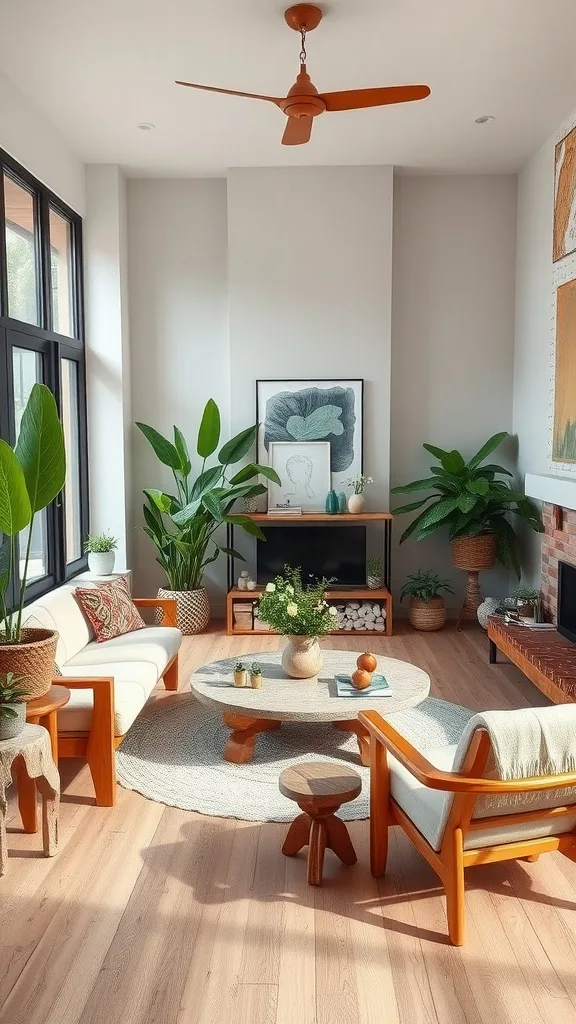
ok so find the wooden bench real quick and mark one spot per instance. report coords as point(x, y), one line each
point(545, 656)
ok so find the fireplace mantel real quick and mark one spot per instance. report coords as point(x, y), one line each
point(554, 490)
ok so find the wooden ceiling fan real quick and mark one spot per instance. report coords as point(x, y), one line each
point(304, 102)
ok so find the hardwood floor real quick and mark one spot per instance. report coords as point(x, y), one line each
point(152, 915)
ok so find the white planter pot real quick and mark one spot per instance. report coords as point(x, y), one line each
point(356, 504)
point(302, 657)
point(193, 608)
point(101, 563)
point(12, 727)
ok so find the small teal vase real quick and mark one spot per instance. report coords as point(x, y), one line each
point(342, 502)
point(332, 503)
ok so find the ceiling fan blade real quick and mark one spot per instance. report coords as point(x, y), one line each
point(232, 92)
point(355, 99)
point(297, 131)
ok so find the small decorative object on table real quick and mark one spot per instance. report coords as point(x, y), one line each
point(251, 503)
point(374, 572)
point(356, 500)
point(100, 549)
point(239, 674)
point(427, 608)
point(243, 580)
point(527, 603)
point(303, 614)
point(12, 706)
point(362, 678)
point(251, 584)
point(332, 506)
point(488, 607)
point(342, 502)
point(255, 676)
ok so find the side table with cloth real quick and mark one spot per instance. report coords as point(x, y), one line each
point(29, 757)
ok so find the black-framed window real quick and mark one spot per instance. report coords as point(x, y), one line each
point(42, 339)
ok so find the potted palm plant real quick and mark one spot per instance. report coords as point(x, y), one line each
point(474, 503)
point(31, 476)
point(427, 608)
point(183, 526)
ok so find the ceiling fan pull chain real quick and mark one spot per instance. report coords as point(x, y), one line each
point(303, 54)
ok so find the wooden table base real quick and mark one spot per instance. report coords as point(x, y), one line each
point(240, 746)
point(362, 735)
point(319, 830)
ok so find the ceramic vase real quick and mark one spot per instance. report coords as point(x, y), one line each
point(12, 727)
point(356, 504)
point(342, 502)
point(302, 657)
point(332, 503)
point(101, 563)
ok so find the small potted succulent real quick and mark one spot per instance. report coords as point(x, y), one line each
point(255, 676)
point(100, 549)
point(527, 603)
point(239, 674)
point(427, 608)
point(374, 572)
point(12, 706)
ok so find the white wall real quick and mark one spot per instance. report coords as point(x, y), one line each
point(452, 337)
point(178, 328)
point(38, 146)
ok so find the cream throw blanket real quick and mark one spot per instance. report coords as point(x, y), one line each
point(526, 743)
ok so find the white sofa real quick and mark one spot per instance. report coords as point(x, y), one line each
point(110, 682)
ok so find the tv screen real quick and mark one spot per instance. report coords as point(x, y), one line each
point(567, 600)
point(327, 550)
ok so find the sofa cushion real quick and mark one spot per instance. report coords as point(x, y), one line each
point(155, 644)
point(110, 609)
point(133, 684)
point(60, 610)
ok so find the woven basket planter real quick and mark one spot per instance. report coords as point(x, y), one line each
point(193, 609)
point(427, 616)
point(32, 660)
point(474, 554)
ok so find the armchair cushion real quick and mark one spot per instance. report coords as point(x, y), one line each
point(133, 684)
point(155, 644)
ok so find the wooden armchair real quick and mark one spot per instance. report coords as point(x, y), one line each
point(447, 817)
point(97, 746)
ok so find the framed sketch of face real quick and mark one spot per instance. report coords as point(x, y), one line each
point(304, 471)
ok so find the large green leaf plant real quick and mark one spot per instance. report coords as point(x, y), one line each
point(31, 477)
point(470, 498)
point(182, 525)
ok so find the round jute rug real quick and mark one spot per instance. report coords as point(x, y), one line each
point(173, 754)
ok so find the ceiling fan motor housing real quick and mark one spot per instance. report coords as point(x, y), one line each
point(303, 99)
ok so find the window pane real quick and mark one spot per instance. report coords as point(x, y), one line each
point(61, 265)
point(70, 420)
point(21, 253)
point(27, 371)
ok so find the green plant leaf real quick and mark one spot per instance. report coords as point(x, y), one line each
point(487, 448)
point(412, 506)
point(160, 500)
point(7, 712)
point(478, 486)
point(438, 453)
point(163, 448)
point(40, 449)
point(211, 502)
point(247, 524)
point(209, 430)
point(237, 447)
point(254, 469)
point(233, 553)
point(416, 485)
point(453, 462)
point(183, 453)
point(15, 510)
point(414, 525)
point(205, 482)
point(493, 468)
point(186, 515)
point(466, 501)
point(437, 513)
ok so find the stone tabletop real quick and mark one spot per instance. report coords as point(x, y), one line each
point(307, 700)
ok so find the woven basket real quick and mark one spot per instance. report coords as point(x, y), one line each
point(193, 609)
point(427, 616)
point(474, 554)
point(32, 660)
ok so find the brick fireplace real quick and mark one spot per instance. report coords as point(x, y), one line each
point(558, 544)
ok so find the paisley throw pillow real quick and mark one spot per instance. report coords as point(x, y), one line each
point(109, 609)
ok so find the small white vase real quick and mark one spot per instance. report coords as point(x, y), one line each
point(101, 563)
point(356, 504)
point(302, 657)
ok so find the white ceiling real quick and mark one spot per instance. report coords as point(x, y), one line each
point(97, 69)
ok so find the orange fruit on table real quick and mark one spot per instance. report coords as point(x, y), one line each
point(368, 662)
point(361, 679)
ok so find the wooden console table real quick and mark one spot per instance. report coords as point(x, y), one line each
point(546, 657)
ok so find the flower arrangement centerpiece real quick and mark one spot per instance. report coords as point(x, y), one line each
point(356, 500)
point(301, 612)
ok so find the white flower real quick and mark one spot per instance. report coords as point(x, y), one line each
point(292, 609)
point(270, 588)
point(289, 589)
point(332, 611)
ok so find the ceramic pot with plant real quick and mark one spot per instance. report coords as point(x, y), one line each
point(427, 608)
point(356, 500)
point(255, 676)
point(473, 502)
point(239, 674)
point(101, 548)
point(527, 603)
point(31, 476)
point(185, 526)
point(374, 572)
point(303, 614)
point(12, 706)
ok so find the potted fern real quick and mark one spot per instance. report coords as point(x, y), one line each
point(427, 608)
point(184, 526)
point(31, 476)
point(101, 548)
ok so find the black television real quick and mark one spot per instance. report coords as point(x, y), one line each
point(326, 550)
point(566, 616)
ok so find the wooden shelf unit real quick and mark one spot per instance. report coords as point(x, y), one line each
point(383, 596)
point(322, 517)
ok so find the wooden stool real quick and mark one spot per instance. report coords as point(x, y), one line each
point(28, 760)
point(319, 789)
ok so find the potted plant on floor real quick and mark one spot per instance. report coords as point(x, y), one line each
point(100, 549)
point(427, 608)
point(183, 526)
point(301, 613)
point(31, 477)
point(471, 500)
point(12, 706)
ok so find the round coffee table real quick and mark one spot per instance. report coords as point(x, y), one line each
point(247, 712)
